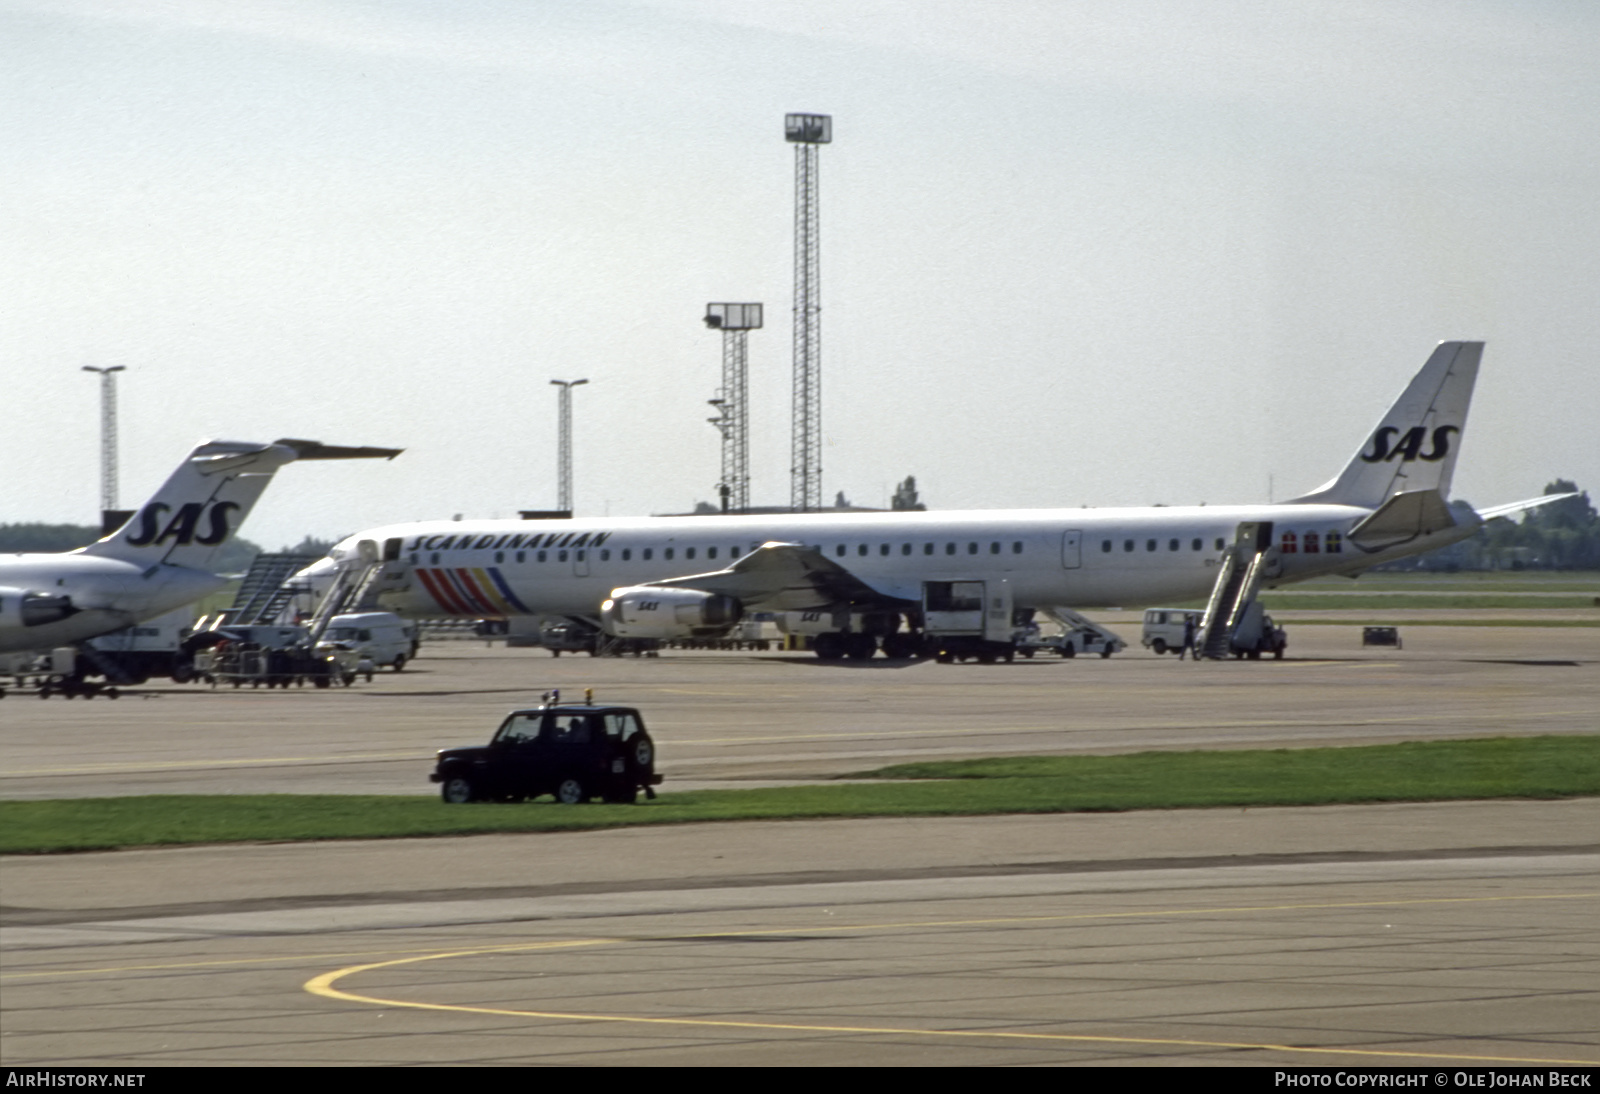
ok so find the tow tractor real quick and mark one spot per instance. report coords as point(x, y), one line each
point(55, 672)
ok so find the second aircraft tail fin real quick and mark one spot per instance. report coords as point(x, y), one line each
point(1414, 446)
point(198, 509)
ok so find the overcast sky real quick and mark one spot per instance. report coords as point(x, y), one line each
point(1073, 253)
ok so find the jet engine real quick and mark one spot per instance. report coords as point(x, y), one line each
point(649, 611)
point(23, 608)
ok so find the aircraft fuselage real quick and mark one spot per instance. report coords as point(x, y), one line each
point(105, 594)
point(1077, 557)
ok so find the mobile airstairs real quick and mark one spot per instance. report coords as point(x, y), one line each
point(1234, 623)
point(263, 595)
point(359, 581)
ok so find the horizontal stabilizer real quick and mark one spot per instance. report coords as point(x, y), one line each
point(316, 450)
point(1402, 518)
point(1520, 506)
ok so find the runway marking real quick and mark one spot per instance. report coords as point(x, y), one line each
point(221, 963)
point(421, 756)
point(323, 985)
point(1080, 727)
point(175, 765)
point(429, 953)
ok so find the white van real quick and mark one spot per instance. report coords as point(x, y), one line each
point(1163, 628)
point(382, 636)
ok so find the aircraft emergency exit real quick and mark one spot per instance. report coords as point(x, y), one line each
point(159, 559)
point(858, 582)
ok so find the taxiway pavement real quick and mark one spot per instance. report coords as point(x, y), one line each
point(736, 719)
point(1437, 935)
point(1425, 935)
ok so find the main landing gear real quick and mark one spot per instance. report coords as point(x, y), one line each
point(907, 646)
point(837, 646)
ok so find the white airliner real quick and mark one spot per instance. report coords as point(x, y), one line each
point(860, 580)
point(157, 561)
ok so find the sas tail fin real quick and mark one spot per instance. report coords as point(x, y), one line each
point(1414, 447)
point(200, 507)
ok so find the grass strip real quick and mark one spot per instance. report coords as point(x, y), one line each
point(1378, 602)
point(1466, 581)
point(1504, 767)
point(1285, 618)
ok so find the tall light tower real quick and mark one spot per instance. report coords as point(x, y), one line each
point(108, 433)
point(806, 132)
point(735, 321)
point(564, 444)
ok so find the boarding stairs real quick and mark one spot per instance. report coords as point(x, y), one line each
point(357, 584)
point(263, 594)
point(1248, 561)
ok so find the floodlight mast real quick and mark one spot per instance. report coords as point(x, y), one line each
point(108, 434)
point(564, 444)
point(735, 321)
point(806, 132)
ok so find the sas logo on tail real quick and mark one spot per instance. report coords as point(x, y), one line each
point(181, 528)
point(1410, 446)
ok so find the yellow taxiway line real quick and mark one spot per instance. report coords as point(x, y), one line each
point(323, 985)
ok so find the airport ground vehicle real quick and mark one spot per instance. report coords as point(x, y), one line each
point(574, 752)
point(149, 650)
point(381, 636)
point(54, 672)
point(241, 662)
point(1164, 628)
point(1255, 634)
point(568, 638)
point(1264, 636)
point(1070, 643)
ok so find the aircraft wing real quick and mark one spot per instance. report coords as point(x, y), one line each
point(1518, 506)
point(785, 577)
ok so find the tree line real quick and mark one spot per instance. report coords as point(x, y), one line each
point(1564, 535)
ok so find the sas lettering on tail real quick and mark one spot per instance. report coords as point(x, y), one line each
point(180, 529)
point(1410, 446)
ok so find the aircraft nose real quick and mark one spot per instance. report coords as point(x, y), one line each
point(321, 569)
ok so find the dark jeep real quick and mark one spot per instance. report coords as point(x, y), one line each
point(573, 752)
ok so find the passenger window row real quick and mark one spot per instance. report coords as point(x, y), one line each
point(841, 550)
point(1173, 544)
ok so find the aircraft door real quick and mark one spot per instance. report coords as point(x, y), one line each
point(1071, 549)
point(997, 616)
point(1253, 537)
point(953, 607)
point(580, 562)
